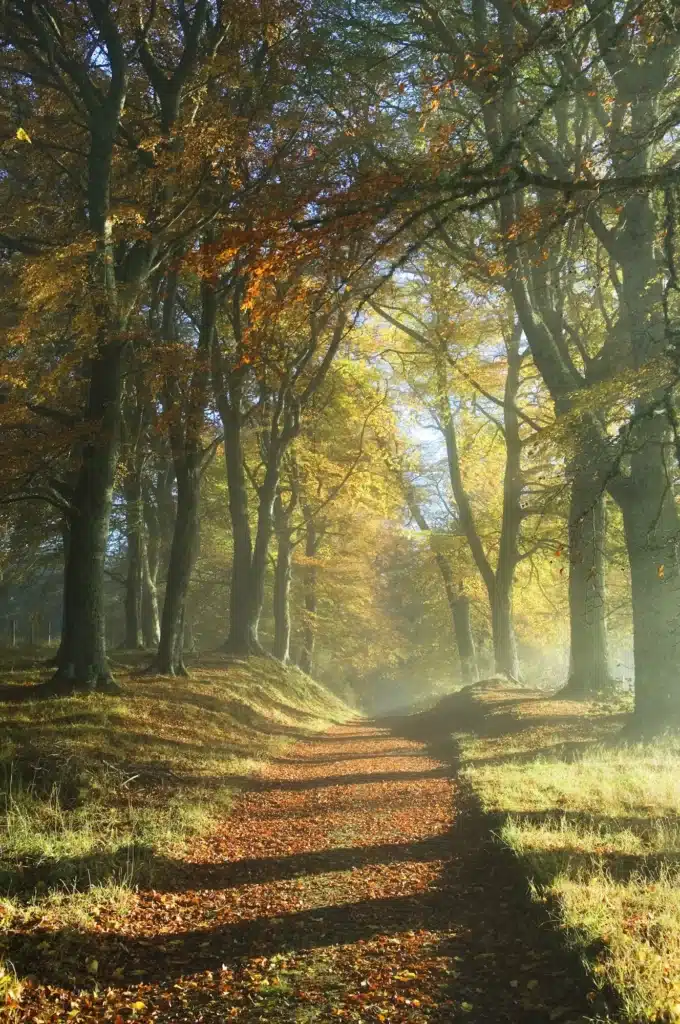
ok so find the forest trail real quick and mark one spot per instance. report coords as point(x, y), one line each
point(353, 882)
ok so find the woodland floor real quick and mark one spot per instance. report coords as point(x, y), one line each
point(354, 879)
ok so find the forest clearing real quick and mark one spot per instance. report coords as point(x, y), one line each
point(340, 511)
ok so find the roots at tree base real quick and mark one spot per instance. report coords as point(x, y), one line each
point(178, 670)
point(64, 684)
point(253, 648)
point(581, 689)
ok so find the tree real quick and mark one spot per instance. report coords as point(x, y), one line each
point(441, 337)
point(95, 70)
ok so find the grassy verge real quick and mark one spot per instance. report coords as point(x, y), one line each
point(99, 795)
point(597, 827)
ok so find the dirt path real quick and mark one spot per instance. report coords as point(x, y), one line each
point(348, 884)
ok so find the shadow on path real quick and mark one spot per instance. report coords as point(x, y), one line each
point(507, 962)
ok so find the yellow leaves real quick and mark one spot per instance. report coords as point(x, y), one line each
point(660, 572)
point(10, 989)
point(22, 135)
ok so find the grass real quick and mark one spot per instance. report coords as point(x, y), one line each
point(99, 795)
point(596, 825)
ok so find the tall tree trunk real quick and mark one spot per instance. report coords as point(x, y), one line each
point(155, 514)
point(57, 660)
point(589, 674)
point(652, 533)
point(241, 640)
point(647, 500)
point(182, 559)
point(312, 540)
point(462, 628)
point(151, 624)
point(134, 639)
point(506, 661)
point(258, 568)
point(498, 582)
point(189, 460)
point(282, 576)
point(249, 567)
point(505, 657)
point(459, 603)
point(82, 660)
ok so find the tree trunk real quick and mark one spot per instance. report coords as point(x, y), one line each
point(258, 569)
point(460, 610)
point(151, 625)
point(249, 567)
point(589, 674)
point(506, 661)
point(159, 518)
point(57, 660)
point(459, 603)
point(242, 640)
point(306, 662)
point(505, 657)
point(652, 532)
point(459, 606)
point(82, 656)
point(134, 639)
point(183, 555)
point(188, 460)
point(282, 575)
point(498, 582)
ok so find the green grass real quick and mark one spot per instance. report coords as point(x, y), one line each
point(596, 825)
point(99, 795)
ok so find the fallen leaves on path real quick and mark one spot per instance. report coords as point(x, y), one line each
point(334, 891)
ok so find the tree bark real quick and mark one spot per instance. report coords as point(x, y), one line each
point(589, 674)
point(134, 639)
point(189, 459)
point(82, 656)
point(498, 582)
point(652, 533)
point(459, 603)
point(151, 624)
point(242, 639)
point(265, 529)
point(504, 643)
point(462, 628)
point(249, 567)
point(183, 555)
point(312, 540)
point(83, 664)
point(506, 661)
point(282, 577)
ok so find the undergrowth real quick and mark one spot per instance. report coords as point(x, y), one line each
point(596, 824)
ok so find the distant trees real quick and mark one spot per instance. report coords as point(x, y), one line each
point(551, 128)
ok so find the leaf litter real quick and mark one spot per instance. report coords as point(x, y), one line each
point(353, 881)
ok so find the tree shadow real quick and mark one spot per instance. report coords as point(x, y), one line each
point(506, 961)
point(170, 875)
point(307, 761)
point(258, 785)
